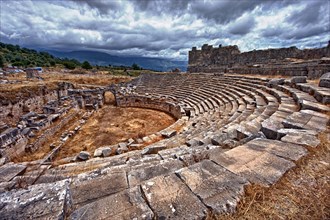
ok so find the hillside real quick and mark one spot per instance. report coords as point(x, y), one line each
point(24, 57)
point(104, 59)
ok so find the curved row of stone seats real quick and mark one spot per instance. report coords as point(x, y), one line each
point(199, 130)
point(261, 104)
point(138, 192)
point(202, 108)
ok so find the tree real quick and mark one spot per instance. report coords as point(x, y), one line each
point(70, 65)
point(2, 61)
point(52, 63)
point(86, 65)
point(136, 67)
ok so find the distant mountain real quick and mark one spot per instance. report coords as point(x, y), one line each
point(104, 59)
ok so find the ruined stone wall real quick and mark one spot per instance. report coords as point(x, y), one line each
point(223, 59)
point(146, 102)
point(12, 109)
point(88, 98)
point(11, 112)
point(231, 55)
point(50, 132)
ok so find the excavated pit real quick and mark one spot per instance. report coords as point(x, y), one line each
point(109, 125)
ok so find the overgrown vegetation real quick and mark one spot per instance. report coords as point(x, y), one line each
point(23, 57)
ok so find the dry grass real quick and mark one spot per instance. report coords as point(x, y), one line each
point(303, 192)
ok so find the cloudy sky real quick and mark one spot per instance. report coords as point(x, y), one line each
point(166, 28)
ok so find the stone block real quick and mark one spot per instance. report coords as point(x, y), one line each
point(194, 142)
point(275, 82)
point(152, 149)
point(298, 79)
point(325, 80)
point(83, 155)
point(86, 191)
point(128, 204)
point(168, 133)
point(315, 106)
point(269, 128)
point(162, 168)
point(261, 161)
point(219, 139)
point(170, 198)
point(285, 131)
point(288, 151)
point(10, 170)
point(218, 188)
point(103, 152)
point(301, 139)
point(42, 201)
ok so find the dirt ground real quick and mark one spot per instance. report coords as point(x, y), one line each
point(109, 125)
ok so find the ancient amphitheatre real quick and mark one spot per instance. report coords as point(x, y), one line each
point(236, 129)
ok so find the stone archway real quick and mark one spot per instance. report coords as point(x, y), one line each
point(109, 98)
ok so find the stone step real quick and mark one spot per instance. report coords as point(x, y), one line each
point(10, 170)
point(261, 161)
point(307, 119)
point(219, 189)
point(170, 198)
point(128, 204)
point(137, 176)
point(315, 106)
point(42, 201)
point(85, 189)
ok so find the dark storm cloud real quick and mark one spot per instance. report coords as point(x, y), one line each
point(103, 6)
point(242, 26)
point(223, 11)
point(272, 32)
point(305, 32)
point(162, 6)
point(310, 14)
point(164, 28)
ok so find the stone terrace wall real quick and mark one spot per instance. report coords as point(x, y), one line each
point(146, 102)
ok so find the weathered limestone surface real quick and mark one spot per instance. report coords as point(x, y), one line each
point(307, 119)
point(302, 139)
point(261, 160)
point(153, 149)
point(164, 167)
point(169, 197)
point(128, 204)
point(43, 201)
point(86, 191)
point(325, 80)
point(217, 187)
point(10, 170)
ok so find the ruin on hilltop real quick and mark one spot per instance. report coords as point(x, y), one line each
point(282, 61)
